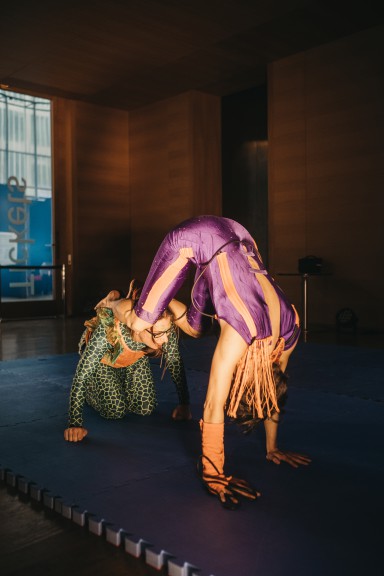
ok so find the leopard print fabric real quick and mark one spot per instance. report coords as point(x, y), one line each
point(113, 392)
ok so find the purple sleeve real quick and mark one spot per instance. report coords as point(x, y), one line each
point(167, 274)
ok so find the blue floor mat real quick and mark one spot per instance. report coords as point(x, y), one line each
point(137, 477)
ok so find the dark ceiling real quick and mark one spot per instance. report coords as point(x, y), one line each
point(128, 53)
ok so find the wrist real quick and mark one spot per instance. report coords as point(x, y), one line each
point(177, 308)
point(181, 316)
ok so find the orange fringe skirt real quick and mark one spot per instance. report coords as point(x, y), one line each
point(253, 381)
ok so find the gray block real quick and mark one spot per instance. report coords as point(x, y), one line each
point(11, 479)
point(48, 500)
point(79, 517)
point(157, 559)
point(181, 569)
point(96, 525)
point(36, 492)
point(66, 510)
point(135, 546)
point(58, 506)
point(23, 485)
point(114, 535)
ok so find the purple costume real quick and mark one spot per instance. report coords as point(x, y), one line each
point(228, 281)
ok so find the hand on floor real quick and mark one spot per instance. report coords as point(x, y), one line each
point(75, 434)
point(182, 412)
point(293, 458)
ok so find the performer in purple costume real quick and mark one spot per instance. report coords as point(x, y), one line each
point(204, 242)
point(259, 328)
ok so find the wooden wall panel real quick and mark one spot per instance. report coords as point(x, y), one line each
point(91, 200)
point(102, 197)
point(122, 180)
point(326, 125)
point(205, 121)
point(175, 169)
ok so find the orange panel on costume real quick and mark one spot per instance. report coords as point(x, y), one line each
point(127, 357)
point(166, 279)
point(232, 293)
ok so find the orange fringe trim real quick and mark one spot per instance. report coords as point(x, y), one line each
point(254, 382)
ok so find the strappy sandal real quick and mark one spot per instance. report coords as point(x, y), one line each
point(226, 497)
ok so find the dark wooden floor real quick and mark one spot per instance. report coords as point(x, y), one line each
point(36, 541)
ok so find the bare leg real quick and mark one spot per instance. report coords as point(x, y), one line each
point(179, 309)
point(230, 348)
point(285, 357)
point(123, 310)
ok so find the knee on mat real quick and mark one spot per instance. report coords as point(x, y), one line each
point(114, 413)
point(146, 411)
point(143, 409)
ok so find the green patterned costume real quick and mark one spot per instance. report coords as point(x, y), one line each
point(113, 392)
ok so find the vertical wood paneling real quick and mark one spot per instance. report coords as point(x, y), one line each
point(206, 148)
point(91, 200)
point(326, 176)
point(123, 180)
point(102, 252)
point(174, 169)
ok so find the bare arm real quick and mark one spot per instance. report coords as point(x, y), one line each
point(274, 454)
point(122, 309)
point(271, 429)
point(179, 310)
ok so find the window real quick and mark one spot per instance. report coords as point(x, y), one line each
point(25, 196)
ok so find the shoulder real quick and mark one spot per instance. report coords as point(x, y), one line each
point(127, 336)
